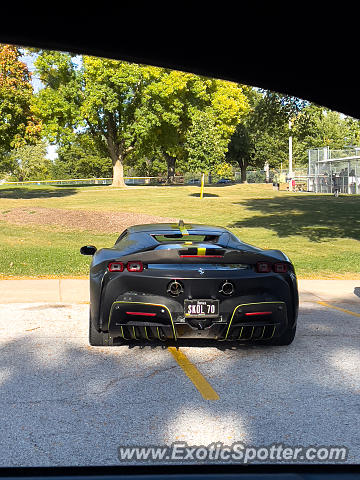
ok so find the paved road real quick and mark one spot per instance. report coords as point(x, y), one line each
point(65, 403)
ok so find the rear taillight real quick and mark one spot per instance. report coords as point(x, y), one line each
point(116, 267)
point(135, 267)
point(263, 267)
point(280, 267)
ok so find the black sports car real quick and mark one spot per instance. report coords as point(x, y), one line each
point(166, 282)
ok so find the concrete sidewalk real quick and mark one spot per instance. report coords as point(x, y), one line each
point(61, 290)
point(65, 290)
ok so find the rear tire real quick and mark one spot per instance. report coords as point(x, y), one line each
point(285, 339)
point(96, 339)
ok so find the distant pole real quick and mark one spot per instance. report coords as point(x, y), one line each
point(202, 185)
point(290, 152)
point(290, 158)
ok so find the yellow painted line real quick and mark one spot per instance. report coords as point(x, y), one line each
point(204, 387)
point(349, 312)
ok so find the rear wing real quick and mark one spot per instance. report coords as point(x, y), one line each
point(249, 255)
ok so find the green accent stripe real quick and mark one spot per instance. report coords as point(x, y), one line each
point(146, 335)
point(262, 335)
point(273, 332)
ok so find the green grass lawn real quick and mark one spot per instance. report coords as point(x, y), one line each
point(320, 233)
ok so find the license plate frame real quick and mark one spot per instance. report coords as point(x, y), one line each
point(201, 308)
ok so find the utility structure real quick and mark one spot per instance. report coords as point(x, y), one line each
point(330, 170)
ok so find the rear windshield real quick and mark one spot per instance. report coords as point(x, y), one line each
point(179, 237)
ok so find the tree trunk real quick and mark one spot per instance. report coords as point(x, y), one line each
point(117, 153)
point(118, 173)
point(170, 161)
point(267, 172)
point(243, 175)
point(243, 166)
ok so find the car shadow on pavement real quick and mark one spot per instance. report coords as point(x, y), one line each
point(190, 342)
point(66, 403)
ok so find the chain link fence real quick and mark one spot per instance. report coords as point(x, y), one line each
point(332, 171)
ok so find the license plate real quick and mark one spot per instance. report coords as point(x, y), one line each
point(201, 308)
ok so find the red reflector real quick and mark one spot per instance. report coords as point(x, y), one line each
point(116, 267)
point(263, 267)
point(135, 266)
point(249, 314)
point(280, 267)
point(144, 314)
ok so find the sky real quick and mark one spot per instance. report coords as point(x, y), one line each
point(37, 85)
point(29, 59)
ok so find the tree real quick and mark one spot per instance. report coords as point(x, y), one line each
point(318, 127)
point(99, 97)
point(81, 159)
point(225, 169)
point(241, 149)
point(29, 162)
point(263, 134)
point(188, 118)
point(205, 143)
point(18, 124)
point(162, 118)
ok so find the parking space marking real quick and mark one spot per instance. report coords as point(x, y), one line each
point(349, 312)
point(203, 386)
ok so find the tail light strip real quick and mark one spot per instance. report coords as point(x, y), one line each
point(144, 314)
point(137, 266)
point(250, 314)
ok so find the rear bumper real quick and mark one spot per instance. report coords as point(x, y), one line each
point(143, 317)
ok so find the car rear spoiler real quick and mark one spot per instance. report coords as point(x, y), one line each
point(205, 255)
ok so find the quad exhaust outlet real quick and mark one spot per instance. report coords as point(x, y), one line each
point(227, 288)
point(175, 288)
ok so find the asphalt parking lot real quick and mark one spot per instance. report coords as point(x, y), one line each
point(66, 403)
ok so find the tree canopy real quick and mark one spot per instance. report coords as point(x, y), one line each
point(18, 124)
point(108, 116)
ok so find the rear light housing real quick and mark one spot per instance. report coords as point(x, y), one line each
point(263, 267)
point(280, 267)
point(135, 266)
point(266, 267)
point(116, 267)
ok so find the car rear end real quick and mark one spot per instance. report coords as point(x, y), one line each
point(198, 290)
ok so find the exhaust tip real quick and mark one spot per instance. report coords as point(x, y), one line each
point(175, 288)
point(227, 288)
